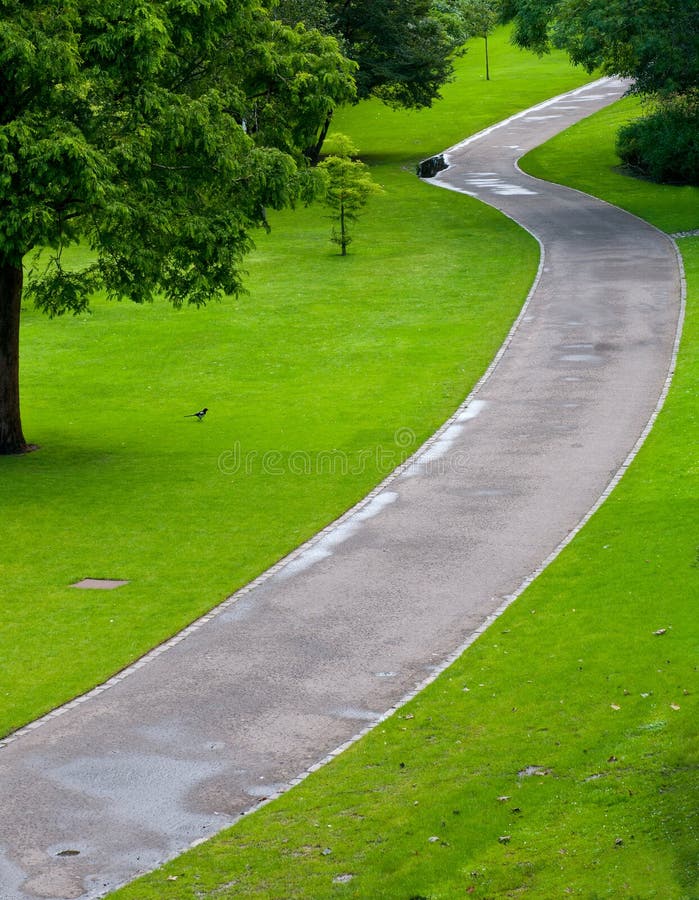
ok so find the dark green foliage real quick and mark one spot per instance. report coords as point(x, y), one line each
point(664, 146)
point(656, 43)
point(402, 50)
point(313, 13)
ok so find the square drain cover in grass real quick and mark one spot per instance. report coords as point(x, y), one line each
point(99, 584)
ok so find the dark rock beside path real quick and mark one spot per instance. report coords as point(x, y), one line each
point(428, 168)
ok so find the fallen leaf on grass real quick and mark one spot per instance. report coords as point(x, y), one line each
point(660, 631)
point(615, 706)
point(674, 706)
point(504, 839)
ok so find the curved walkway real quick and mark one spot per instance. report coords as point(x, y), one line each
point(320, 646)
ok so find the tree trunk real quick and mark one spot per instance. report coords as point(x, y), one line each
point(313, 153)
point(343, 230)
point(487, 61)
point(11, 437)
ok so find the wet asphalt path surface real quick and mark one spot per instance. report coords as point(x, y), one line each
point(291, 668)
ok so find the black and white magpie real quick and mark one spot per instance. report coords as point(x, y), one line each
point(200, 415)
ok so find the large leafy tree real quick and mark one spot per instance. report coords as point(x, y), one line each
point(403, 49)
point(154, 131)
point(656, 42)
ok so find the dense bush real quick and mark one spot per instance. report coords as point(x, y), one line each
point(664, 146)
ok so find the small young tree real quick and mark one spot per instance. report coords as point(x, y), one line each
point(349, 187)
point(482, 17)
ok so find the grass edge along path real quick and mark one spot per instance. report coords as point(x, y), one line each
point(324, 356)
point(558, 756)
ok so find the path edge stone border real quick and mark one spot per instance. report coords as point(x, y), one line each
point(509, 599)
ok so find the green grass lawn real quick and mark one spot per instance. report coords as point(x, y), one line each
point(558, 756)
point(323, 354)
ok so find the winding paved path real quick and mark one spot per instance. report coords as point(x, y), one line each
point(298, 663)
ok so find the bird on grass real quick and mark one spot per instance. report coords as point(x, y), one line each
point(200, 415)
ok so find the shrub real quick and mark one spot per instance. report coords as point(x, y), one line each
point(664, 146)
